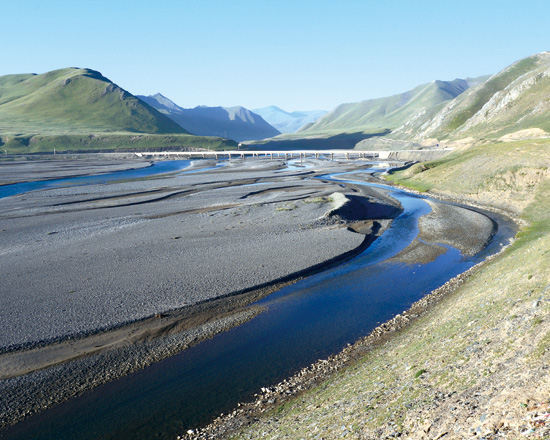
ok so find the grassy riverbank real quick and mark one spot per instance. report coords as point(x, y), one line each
point(476, 363)
point(108, 142)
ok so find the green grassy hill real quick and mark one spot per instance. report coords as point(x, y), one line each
point(81, 110)
point(512, 104)
point(74, 100)
point(378, 115)
point(512, 100)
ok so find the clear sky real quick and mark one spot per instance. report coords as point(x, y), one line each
point(296, 54)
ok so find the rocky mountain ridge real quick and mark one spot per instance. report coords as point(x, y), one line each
point(237, 123)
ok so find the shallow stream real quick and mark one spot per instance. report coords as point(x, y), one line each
point(161, 167)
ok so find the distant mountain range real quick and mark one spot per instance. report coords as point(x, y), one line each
point(235, 123)
point(287, 122)
point(81, 109)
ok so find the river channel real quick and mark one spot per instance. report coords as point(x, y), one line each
point(303, 322)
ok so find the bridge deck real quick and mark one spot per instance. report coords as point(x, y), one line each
point(348, 154)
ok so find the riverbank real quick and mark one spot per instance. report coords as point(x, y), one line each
point(447, 224)
point(475, 364)
point(220, 240)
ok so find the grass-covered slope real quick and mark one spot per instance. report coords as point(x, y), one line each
point(506, 175)
point(476, 364)
point(25, 144)
point(74, 101)
point(376, 115)
point(512, 100)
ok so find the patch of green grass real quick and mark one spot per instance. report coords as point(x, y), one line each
point(542, 347)
point(419, 373)
point(412, 183)
point(319, 200)
point(538, 216)
point(286, 208)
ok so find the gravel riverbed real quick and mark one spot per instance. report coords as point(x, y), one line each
point(103, 280)
point(96, 270)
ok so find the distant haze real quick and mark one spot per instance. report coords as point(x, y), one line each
point(287, 122)
point(237, 123)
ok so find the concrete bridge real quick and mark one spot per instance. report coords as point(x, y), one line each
point(302, 154)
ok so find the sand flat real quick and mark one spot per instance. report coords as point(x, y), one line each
point(77, 260)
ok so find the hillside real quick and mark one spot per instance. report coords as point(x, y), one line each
point(74, 101)
point(235, 123)
point(513, 100)
point(288, 122)
point(378, 115)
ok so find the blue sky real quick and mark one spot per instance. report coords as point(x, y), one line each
point(298, 54)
